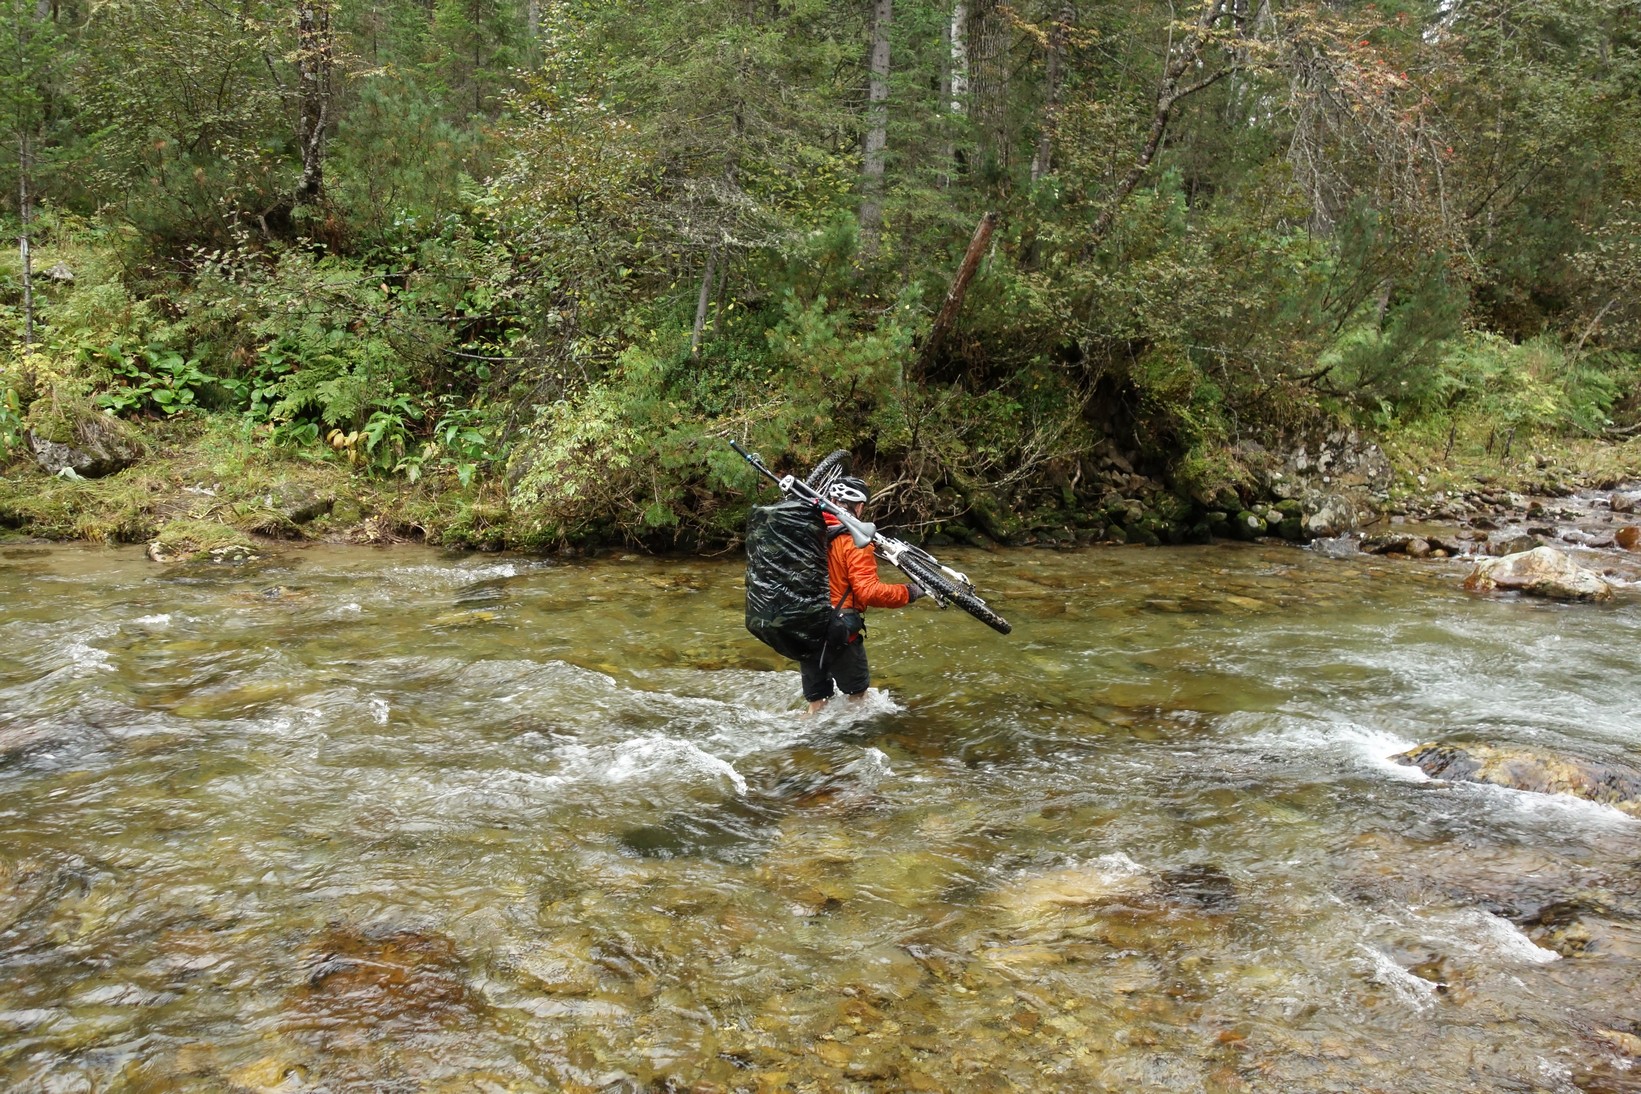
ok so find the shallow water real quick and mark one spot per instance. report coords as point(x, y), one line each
point(360, 819)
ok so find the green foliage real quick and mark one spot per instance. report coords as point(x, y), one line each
point(1374, 216)
point(11, 423)
point(1535, 387)
point(154, 378)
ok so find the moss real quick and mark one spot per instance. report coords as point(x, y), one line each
point(193, 537)
point(68, 416)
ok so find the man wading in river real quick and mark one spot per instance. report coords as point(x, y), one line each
point(852, 572)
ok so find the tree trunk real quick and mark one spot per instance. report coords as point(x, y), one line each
point(698, 334)
point(532, 31)
point(989, 62)
point(877, 128)
point(1042, 161)
point(25, 215)
point(954, 86)
point(314, 65)
point(960, 287)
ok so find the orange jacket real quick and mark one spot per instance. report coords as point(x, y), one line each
point(854, 569)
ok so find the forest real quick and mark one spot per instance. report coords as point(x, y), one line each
point(511, 271)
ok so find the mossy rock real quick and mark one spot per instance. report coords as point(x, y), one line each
point(1171, 508)
point(67, 432)
point(1248, 525)
point(200, 540)
point(347, 511)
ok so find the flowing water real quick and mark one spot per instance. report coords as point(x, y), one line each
point(396, 820)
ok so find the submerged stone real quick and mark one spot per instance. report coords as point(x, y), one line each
point(382, 982)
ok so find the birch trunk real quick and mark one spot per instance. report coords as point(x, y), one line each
point(877, 127)
point(314, 63)
point(25, 215)
point(698, 334)
point(954, 86)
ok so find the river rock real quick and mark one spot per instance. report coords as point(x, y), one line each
point(1513, 545)
point(1628, 537)
point(1611, 784)
point(1542, 571)
point(1248, 525)
point(1386, 543)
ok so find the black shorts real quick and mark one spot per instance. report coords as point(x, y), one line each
point(846, 666)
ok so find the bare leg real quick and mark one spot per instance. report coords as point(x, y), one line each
point(816, 706)
point(857, 697)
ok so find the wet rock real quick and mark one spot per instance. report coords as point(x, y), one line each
point(1387, 543)
point(1248, 525)
point(737, 831)
point(382, 982)
point(1628, 537)
point(1113, 879)
point(1513, 545)
point(1543, 572)
point(204, 543)
point(1201, 887)
point(1621, 503)
point(21, 738)
point(269, 1075)
point(1611, 784)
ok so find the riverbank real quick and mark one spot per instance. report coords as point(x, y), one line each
point(210, 482)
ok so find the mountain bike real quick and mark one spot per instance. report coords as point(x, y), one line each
point(944, 584)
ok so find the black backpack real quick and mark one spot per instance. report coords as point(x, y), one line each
point(788, 596)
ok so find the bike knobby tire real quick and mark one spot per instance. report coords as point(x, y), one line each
point(933, 580)
point(832, 466)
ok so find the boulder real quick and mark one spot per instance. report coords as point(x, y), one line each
point(1542, 571)
point(1513, 545)
point(1248, 525)
point(97, 452)
point(1328, 515)
point(1611, 784)
point(69, 435)
point(1628, 537)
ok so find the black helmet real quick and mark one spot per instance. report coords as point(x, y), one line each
point(849, 490)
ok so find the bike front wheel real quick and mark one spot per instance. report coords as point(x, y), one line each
point(933, 580)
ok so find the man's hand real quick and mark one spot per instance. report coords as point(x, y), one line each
point(914, 591)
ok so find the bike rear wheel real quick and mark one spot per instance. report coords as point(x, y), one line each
point(834, 465)
point(932, 579)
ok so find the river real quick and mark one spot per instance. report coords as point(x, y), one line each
point(398, 820)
